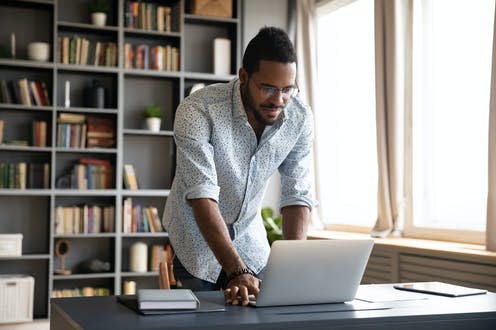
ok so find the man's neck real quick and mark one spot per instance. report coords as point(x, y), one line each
point(257, 127)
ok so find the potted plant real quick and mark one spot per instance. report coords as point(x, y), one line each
point(99, 10)
point(153, 117)
point(273, 226)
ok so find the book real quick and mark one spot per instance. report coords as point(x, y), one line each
point(167, 299)
point(130, 180)
point(206, 306)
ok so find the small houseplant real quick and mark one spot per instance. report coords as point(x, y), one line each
point(99, 10)
point(273, 226)
point(153, 117)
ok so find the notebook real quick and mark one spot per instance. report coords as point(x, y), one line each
point(302, 272)
point(167, 299)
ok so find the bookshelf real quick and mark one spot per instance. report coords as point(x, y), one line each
point(128, 88)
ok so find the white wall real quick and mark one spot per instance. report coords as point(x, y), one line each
point(257, 14)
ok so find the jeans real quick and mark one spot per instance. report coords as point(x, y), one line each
point(188, 281)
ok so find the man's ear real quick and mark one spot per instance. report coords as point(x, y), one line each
point(243, 76)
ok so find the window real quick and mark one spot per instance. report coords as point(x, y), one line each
point(345, 132)
point(452, 50)
point(451, 84)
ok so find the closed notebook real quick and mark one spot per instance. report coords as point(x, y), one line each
point(167, 299)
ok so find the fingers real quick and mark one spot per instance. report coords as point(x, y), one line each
point(232, 295)
point(243, 295)
point(239, 291)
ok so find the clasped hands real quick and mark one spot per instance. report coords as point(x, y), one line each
point(240, 288)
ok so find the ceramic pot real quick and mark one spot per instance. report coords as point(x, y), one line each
point(98, 19)
point(153, 124)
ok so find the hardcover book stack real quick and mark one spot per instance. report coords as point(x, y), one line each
point(148, 16)
point(39, 133)
point(82, 51)
point(173, 299)
point(71, 130)
point(25, 92)
point(138, 219)
point(24, 175)
point(145, 57)
point(80, 292)
point(84, 219)
point(100, 132)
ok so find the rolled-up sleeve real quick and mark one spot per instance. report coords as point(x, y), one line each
point(296, 184)
point(195, 153)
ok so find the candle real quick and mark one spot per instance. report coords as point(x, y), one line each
point(138, 255)
point(67, 101)
point(129, 287)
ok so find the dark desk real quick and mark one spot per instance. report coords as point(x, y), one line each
point(436, 312)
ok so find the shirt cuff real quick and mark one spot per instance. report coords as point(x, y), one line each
point(303, 201)
point(202, 191)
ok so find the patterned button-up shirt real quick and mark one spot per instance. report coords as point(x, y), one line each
point(218, 157)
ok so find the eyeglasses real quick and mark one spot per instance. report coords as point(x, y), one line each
point(270, 91)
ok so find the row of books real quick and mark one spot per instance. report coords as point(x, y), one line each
point(91, 173)
point(80, 292)
point(81, 131)
point(145, 57)
point(39, 133)
point(24, 91)
point(82, 51)
point(148, 16)
point(24, 175)
point(84, 219)
point(138, 219)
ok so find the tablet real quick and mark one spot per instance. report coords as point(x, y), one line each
point(439, 288)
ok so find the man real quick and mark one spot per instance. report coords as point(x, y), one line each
point(230, 139)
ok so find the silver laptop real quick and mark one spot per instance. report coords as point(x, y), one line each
point(313, 272)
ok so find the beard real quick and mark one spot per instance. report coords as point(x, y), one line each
point(257, 111)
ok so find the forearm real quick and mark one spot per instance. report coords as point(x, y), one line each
point(295, 220)
point(216, 234)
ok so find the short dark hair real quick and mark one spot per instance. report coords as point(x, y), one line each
point(270, 44)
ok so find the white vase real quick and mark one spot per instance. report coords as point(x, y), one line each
point(153, 124)
point(98, 19)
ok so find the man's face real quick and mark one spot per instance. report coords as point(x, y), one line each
point(267, 92)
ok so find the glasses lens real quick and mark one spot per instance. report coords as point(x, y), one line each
point(268, 91)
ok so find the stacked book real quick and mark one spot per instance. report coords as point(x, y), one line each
point(84, 219)
point(82, 51)
point(138, 219)
point(148, 16)
point(145, 57)
point(24, 175)
point(173, 299)
point(25, 92)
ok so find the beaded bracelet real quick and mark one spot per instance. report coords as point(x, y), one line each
point(238, 272)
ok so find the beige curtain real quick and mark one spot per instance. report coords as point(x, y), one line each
point(491, 198)
point(306, 50)
point(393, 30)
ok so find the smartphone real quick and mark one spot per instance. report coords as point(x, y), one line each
point(439, 288)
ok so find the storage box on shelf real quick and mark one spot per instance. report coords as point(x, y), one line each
point(10, 245)
point(16, 298)
point(72, 170)
point(217, 8)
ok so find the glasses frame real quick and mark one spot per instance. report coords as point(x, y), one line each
point(270, 91)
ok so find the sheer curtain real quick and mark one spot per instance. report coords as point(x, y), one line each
point(491, 199)
point(305, 33)
point(393, 95)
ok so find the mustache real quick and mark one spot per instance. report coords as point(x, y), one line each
point(272, 107)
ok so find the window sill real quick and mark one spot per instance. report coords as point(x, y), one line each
point(474, 252)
